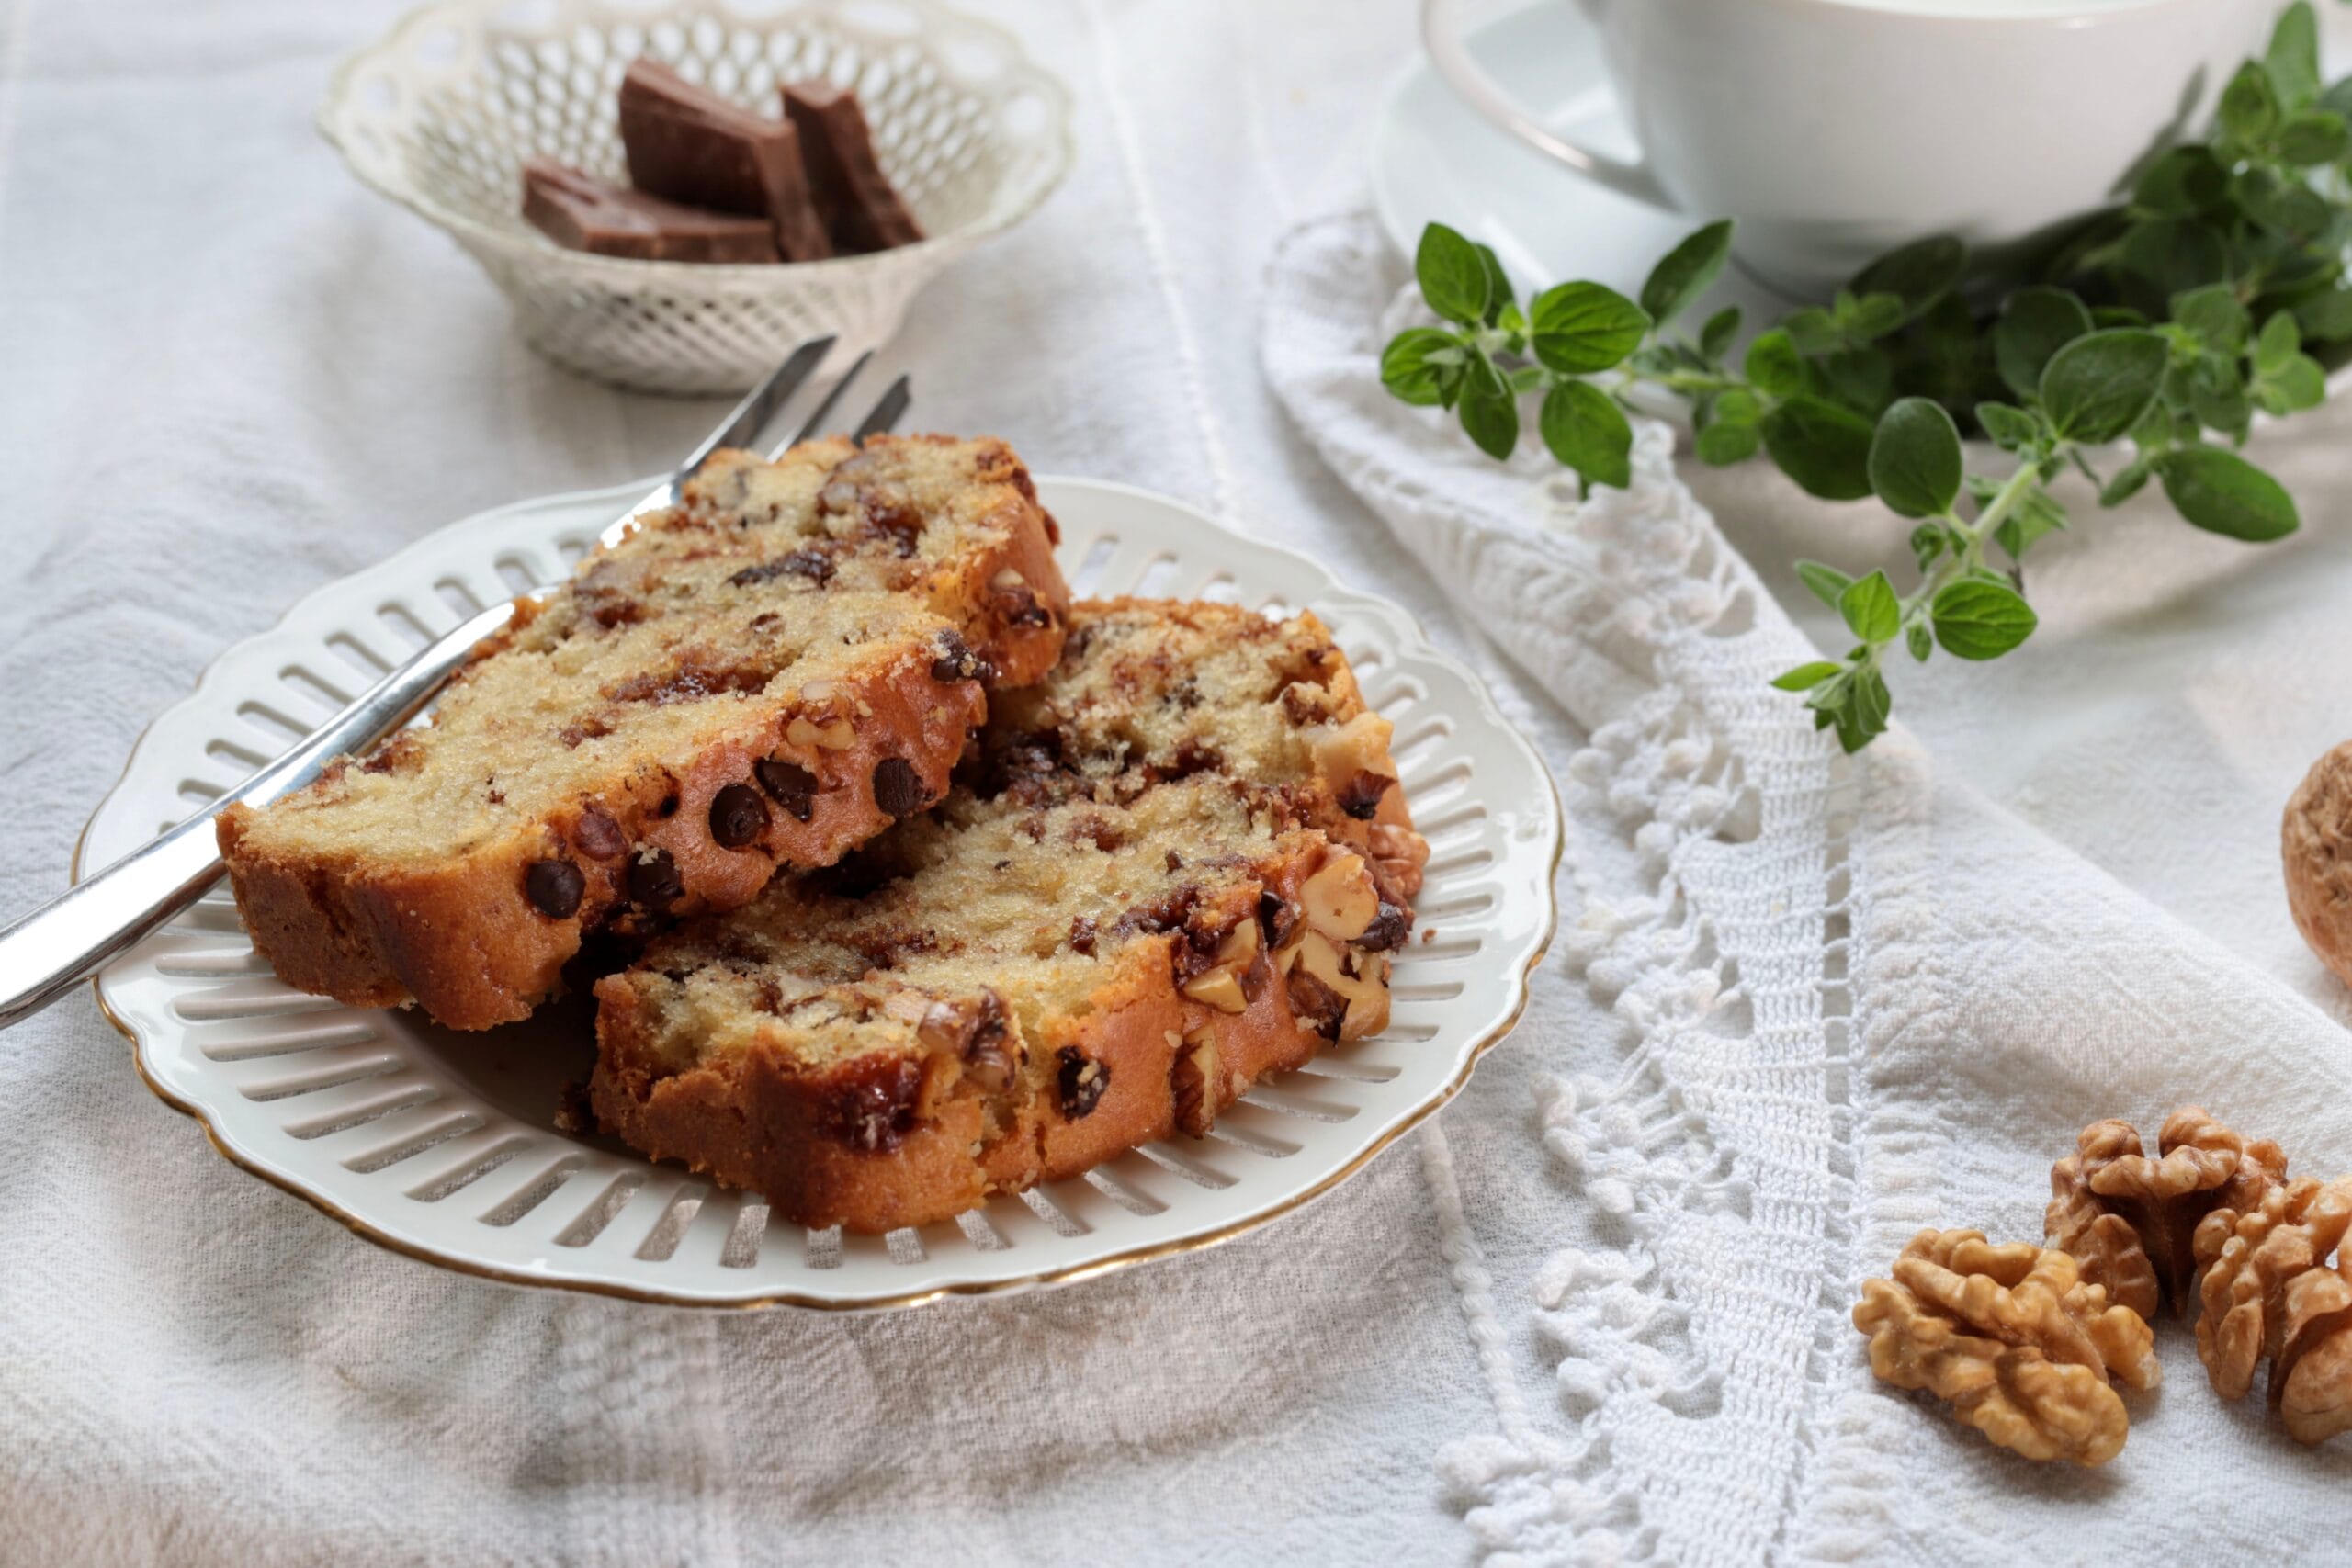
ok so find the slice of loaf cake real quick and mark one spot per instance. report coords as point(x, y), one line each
point(766, 674)
point(1181, 863)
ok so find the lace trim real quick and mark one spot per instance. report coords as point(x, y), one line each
point(1695, 1344)
point(1714, 926)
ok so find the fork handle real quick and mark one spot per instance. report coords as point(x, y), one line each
point(43, 955)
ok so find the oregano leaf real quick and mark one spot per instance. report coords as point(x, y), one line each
point(1915, 458)
point(1979, 619)
point(1588, 432)
point(2035, 323)
point(1578, 328)
point(1871, 609)
point(2291, 62)
point(2222, 493)
point(1412, 369)
point(1804, 677)
point(1490, 412)
point(1773, 365)
point(1824, 449)
point(1827, 583)
point(1452, 276)
point(2096, 388)
point(1686, 271)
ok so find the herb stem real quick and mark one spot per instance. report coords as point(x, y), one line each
point(1967, 557)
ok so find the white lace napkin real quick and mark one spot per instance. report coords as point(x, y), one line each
point(1856, 999)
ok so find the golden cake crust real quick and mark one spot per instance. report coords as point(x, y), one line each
point(636, 832)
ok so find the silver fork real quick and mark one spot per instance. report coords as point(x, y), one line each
point(43, 955)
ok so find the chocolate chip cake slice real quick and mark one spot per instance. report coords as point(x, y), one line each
point(1180, 863)
point(767, 674)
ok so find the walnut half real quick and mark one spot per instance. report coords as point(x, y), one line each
point(2130, 1221)
point(2011, 1338)
point(2267, 1291)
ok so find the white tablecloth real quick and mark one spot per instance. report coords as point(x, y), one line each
point(232, 375)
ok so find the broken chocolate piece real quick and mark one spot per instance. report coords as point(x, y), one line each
point(859, 204)
point(581, 212)
point(688, 144)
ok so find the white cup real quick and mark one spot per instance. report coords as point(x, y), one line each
point(1833, 131)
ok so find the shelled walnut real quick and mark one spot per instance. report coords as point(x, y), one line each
point(2314, 1394)
point(2270, 1291)
point(2130, 1221)
point(2013, 1339)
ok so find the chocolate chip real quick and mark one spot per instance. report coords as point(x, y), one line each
point(789, 785)
point(1360, 796)
point(1082, 1081)
point(1279, 918)
point(738, 816)
point(898, 788)
point(597, 835)
point(887, 516)
point(554, 887)
point(1387, 930)
point(956, 661)
point(1082, 935)
point(654, 882)
point(1175, 862)
point(814, 565)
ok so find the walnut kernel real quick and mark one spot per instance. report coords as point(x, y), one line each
point(2012, 1339)
point(2253, 1259)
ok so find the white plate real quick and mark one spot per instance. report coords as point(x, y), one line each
point(1435, 160)
point(442, 1144)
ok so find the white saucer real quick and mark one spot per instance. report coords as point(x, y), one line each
point(1433, 160)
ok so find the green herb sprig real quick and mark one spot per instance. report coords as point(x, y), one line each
point(2164, 322)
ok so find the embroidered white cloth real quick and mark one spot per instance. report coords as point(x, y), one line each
point(1855, 1000)
point(1594, 1312)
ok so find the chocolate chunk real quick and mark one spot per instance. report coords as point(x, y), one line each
point(1083, 933)
point(858, 202)
point(688, 144)
point(813, 564)
point(898, 788)
point(598, 836)
point(890, 517)
point(738, 816)
point(1082, 1081)
point(1276, 914)
point(554, 887)
point(789, 785)
point(956, 661)
point(1387, 930)
point(581, 212)
point(654, 884)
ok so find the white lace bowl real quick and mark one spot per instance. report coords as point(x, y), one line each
point(440, 114)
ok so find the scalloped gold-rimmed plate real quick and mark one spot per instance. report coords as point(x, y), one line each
point(443, 1146)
